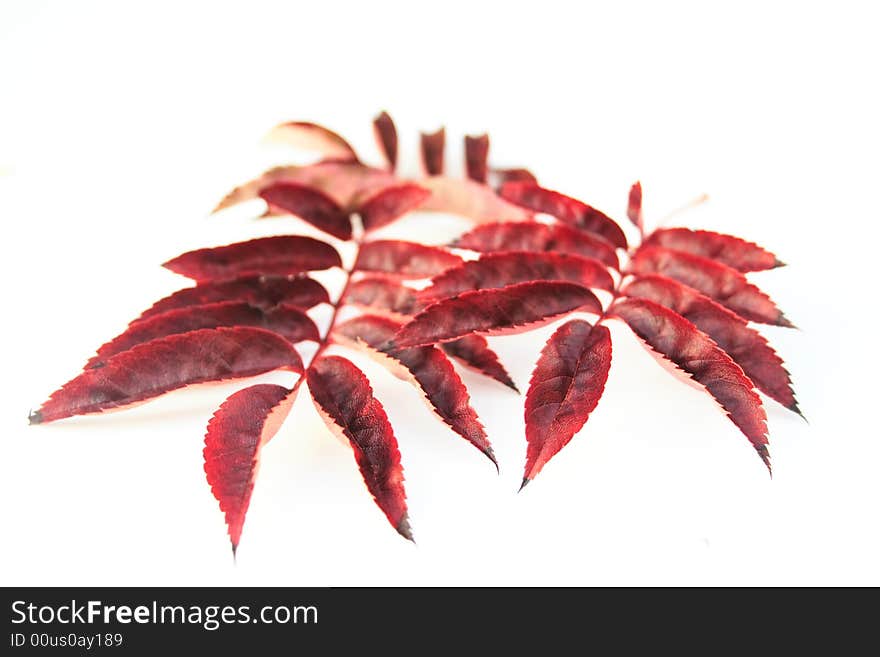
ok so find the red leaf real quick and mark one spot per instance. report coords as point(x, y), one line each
point(404, 259)
point(724, 284)
point(678, 340)
point(241, 426)
point(312, 137)
point(154, 368)
point(430, 370)
point(470, 200)
point(379, 293)
point(473, 351)
point(286, 254)
point(261, 291)
point(311, 205)
point(433, 145)
point(501, 176)
point(564, 208)
point(634, 206)
point(501, 310)
point(727, 249)
point(476, 153)
point(530, 236)
point(289, 322)
point(386, 136)
point(344, 398)
point(341, 181)
point(565, 387)
point(390, 204)
point(748, 348)
point(502, 269)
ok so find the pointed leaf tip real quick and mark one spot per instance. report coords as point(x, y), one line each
point(236, 433)
point(159, 366)
point(721, 282)
point(729, 250)
point(405, 529)
point(429, 369)
point(796, 409)
point(344, 400)
point(764, 453)
point(746, 346)
point(566, 385)
point(677, 339)
point(473, 352)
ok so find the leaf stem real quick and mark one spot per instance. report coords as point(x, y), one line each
point(699, 200)
point(615, 293)
point(337, 305)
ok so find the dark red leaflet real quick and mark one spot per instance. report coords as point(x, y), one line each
point(154, 368)
point(386, 137)
point(476, 155)
point(282, 255)
point(474, 352)
point(496, 270)
point(344, 398)
point(566, 385)
point(500, 310)
point(433, 147)
point(391, 203)
point(565, 208)
point(244, 423)
point(432, 372)
point(311, 205)
point(669, 334)
point(404, 259)
point(724, 284)
point(748, 348)
point(500, 176)
point(531, 236)
point(634, 206)
point(313, 137)
point(289, 322)
point(341, 181)
point(732, 251)
point(470, 200)
point(261, 291)
point(381, 294)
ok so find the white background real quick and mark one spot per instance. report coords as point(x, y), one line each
point(121, 126)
